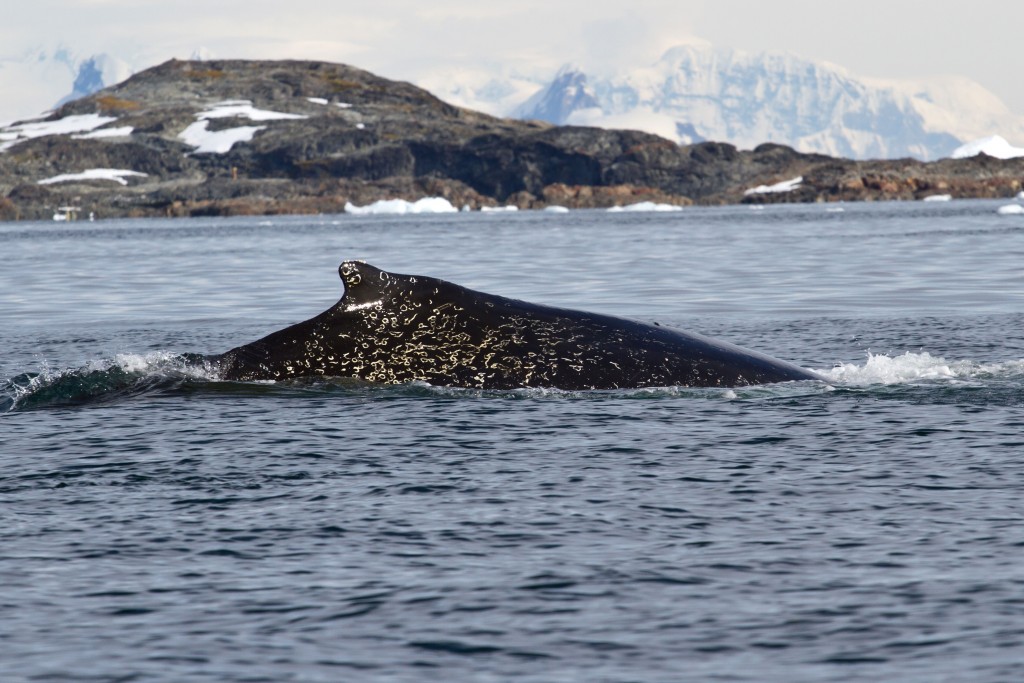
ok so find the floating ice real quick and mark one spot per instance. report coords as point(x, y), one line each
point(79, 123)
point(784, 186)
point(216, 141)
point(400, 206)
point(938, 198)
point(1020, 196)
point(498, 209)
point(646, 206)
point(115, 174)
point(994, 146)
point(554, 208)
point(1010, 210)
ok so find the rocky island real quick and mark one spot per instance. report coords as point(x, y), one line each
point(238, 137)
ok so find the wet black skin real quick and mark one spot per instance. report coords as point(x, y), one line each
point(392, 328)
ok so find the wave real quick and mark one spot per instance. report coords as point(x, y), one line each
point(103, 381)
point(130, 376)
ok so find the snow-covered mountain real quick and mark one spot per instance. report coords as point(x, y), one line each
point(692, 93)
point(39, 80)
point(697, 92)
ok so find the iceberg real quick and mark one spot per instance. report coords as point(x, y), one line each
point(1010, 210)
point(400, 206)
point(994, 146)
point(784, 186)
point(554, 208)
point(115, 174)
point(498, 209)
point(938, 198)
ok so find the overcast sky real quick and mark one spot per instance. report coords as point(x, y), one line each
point(981, 39)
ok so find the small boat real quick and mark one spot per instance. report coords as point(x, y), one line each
point(66, 213)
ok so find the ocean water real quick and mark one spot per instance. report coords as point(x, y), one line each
point(160, 525)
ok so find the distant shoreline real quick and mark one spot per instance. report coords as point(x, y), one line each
point(228, 138)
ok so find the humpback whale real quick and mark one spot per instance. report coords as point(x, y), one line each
point(390, 328)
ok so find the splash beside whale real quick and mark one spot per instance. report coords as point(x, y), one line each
point(390, 328)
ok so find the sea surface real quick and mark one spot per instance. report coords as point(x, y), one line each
point(161, 525)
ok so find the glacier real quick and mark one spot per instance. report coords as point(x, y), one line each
point(698, 92)
point(43, 78)
point(994, 146)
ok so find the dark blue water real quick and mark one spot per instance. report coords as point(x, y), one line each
point(159, 525)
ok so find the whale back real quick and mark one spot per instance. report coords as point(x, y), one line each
point(393, 328)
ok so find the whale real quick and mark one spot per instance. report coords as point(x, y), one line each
point(389, 328)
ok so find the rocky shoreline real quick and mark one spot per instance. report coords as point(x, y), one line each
point(262, 137)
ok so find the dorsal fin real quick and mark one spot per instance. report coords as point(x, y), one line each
point(364, 284)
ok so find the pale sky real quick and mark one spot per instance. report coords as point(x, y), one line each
point(402, 39)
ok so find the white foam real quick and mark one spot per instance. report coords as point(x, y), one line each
point(646, 206)
point(79, 123)
point(912, 367)
point(159, 362)
point(938, 198)
point(994, 146)
point(784, 186)
point(115, 174)
point(401, 206)
point(208, 141)
point(1010, 210)
point(153, 363)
